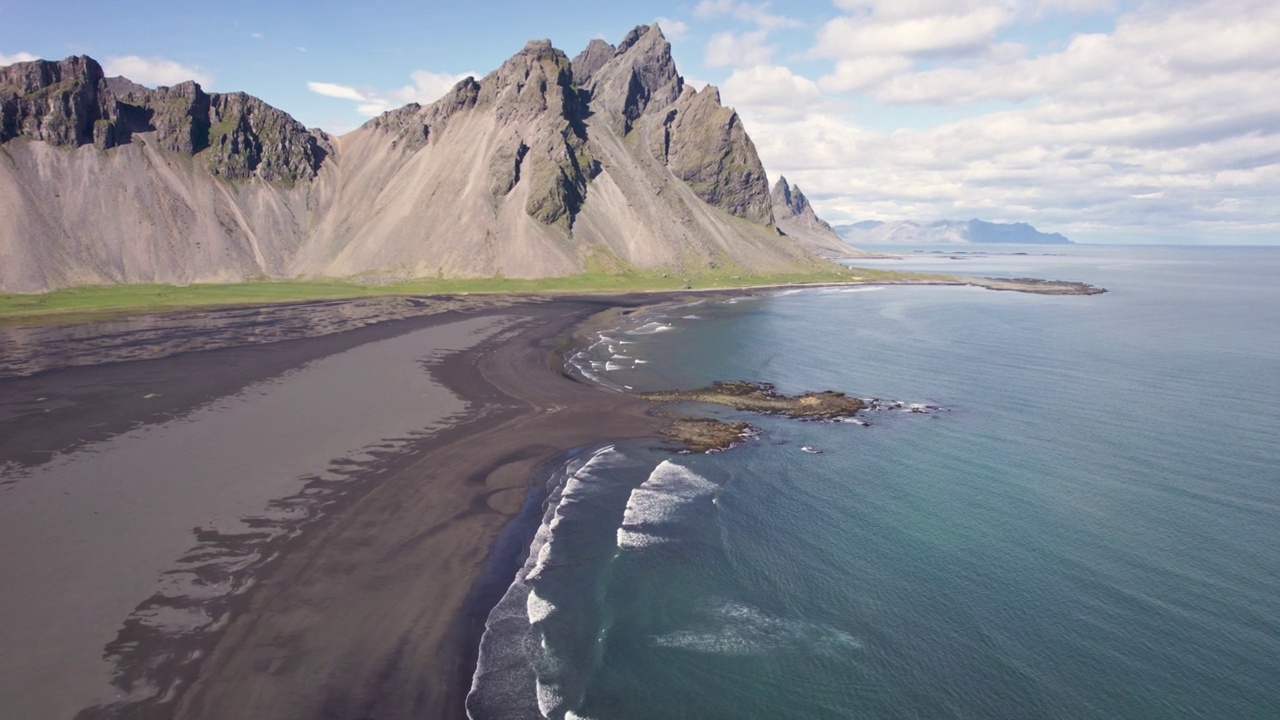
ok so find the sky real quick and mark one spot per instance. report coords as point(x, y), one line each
point(1106, 120)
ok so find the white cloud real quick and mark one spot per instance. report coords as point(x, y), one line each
point(334, 90)
point(1158, 57)
point(738, 50)
point(745, 49)
point(1045, 7)
point(713, 8)
point(912, 27)
point(426, 88)
point(1168, 123)
point(673, 29)
point(758, 13)
point(864, 72)
point(16, 58)
point(256, 35)
point(771, 91)
point(155, 71)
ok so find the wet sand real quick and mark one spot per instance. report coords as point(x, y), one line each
point(284, 530)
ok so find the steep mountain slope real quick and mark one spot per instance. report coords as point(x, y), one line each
point(796, 217)
point(170, 185)
point(543, 167)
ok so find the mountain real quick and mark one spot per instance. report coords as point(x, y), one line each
point(543, 167)
point(873, 232)
point(797, 219)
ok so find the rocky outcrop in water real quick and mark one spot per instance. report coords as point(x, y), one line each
point(764, 398)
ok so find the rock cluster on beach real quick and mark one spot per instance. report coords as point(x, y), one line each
point(543, 167)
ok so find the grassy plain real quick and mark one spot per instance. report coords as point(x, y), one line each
point(113, 299)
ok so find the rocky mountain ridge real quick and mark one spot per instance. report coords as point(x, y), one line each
point(544, 167)
point(796, 217)
point(70, 103)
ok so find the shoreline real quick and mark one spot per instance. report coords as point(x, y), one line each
point(416, 653)
point(73, 314)
point(415, 520)
point(378, 608)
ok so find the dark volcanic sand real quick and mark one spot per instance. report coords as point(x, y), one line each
point(288, 530)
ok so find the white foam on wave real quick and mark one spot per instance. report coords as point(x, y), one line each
point(642, 362)
point(635, 540)
point(737, 629)
point(549, 699)
point(538, 608)
point(505, 678)
point(611, 366)
point(658, 501)
point(650, 328)
point(544, 555)
point(647, 506)
point(575, 488)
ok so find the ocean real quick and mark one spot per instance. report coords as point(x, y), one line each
point(1067, 507)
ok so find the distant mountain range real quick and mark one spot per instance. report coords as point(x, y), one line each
point(543, 167)
point(874, 232)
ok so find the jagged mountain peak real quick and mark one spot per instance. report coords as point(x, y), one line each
point(789, 201)
point(531, 81)
point(640, 77)
point(797, 218)
point(590, 60)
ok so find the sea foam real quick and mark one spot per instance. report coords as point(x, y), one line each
point(659, 501)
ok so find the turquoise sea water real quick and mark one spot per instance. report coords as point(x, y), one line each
point(1083, 524)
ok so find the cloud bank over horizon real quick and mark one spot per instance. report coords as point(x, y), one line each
point(1165, 125)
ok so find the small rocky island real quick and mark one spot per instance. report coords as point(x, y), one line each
point(703, 435)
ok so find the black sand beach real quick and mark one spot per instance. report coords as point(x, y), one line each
point(281, 529)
